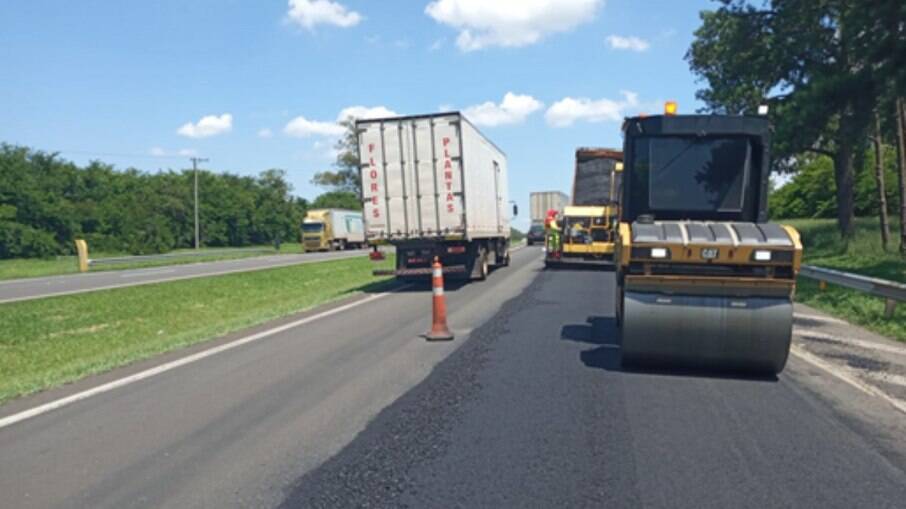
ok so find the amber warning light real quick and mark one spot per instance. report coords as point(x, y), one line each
point(670, 108)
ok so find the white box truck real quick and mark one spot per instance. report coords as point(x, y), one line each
point(433, 185)
point(541, 202)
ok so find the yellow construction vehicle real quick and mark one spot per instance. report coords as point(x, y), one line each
point(703, 280)
point(588, 226)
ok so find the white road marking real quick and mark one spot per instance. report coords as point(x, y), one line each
point(149, 272)
point(847, 376)
point(888, 378)
point(861, 343)
point(148, 373)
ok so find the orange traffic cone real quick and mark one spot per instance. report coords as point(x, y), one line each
point(439, 330)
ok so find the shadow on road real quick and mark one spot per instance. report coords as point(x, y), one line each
point(602, 331)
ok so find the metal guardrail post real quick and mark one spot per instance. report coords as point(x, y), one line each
point(890, 306)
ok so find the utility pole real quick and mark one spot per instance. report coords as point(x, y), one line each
point(195, 161)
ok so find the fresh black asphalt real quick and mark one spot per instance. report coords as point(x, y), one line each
point(534, 411)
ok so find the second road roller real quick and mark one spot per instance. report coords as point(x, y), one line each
point(704, 280)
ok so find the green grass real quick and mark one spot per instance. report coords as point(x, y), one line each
point(23, 268)
point(48, 342)
point(823, 247)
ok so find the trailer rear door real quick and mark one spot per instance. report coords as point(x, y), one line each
point(412, 177)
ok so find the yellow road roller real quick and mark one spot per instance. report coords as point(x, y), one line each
point(703, 280)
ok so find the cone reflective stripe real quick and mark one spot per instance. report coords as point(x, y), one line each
point(439, 329)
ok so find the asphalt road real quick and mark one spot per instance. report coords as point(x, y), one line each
point(36, 288)
point(526, 408)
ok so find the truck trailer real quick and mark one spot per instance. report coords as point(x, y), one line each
point(434, 186)
point(332, 229)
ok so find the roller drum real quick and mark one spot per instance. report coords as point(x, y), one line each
point(715, 332)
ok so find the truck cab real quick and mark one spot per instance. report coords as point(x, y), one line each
point(316, 232)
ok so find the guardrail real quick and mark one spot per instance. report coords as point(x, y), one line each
point(85, 262)
point(890, 291)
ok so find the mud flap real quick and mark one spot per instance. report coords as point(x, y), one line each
point(750, 334)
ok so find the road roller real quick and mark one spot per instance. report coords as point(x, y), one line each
point(703, 280)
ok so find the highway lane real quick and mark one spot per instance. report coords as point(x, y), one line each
point(238, 428)
point(535, 412)
point(527, 407)
point(36, 288)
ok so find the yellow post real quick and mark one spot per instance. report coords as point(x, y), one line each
point(82, 248)
point(822, 285)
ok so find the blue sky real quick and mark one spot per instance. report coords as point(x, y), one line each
point(260, 84)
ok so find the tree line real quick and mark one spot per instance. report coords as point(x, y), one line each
point(47, 202)
point(833, 73)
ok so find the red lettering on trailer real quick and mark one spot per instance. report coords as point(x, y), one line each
point(448, 176)
point(375, 189)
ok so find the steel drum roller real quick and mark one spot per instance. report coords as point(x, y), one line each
point(718, 332)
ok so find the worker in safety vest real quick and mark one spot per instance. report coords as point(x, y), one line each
point(552, 232)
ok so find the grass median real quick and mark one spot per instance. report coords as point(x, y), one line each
point(48, 342)
point(864, 255)
point(38, 267)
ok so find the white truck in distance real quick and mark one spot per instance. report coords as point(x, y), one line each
point(432, 185)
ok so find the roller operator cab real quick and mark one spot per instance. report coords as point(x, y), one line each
point(703, 280)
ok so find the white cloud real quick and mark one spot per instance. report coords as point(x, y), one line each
point(631, 43)
point(509, 23)
point(209, 125)
point(301, 127)
point(308, 13)
point(512, 110)
point(265, 133)
point(161, 152)
point(568, 110)
point(436, 45)
point(364, 112)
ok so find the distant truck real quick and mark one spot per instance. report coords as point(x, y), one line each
point(333, 229)
point(433, 185)
point(541, 202)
